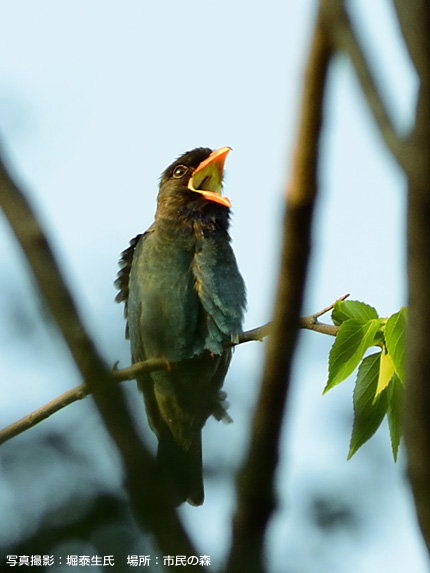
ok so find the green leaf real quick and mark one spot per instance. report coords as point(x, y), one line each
point(343, 310)
point(395, 402)
point(367, 414)
point(352, 340)
point(386, 371)
point(395, 332)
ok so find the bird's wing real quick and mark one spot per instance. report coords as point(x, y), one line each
point(123, 277)
point(221, 291)
point(123, 284)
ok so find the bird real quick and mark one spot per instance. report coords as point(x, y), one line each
point(184, 302)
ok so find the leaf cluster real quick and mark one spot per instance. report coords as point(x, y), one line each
point(380, 381)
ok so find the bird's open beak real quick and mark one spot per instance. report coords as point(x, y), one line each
point(207, 177)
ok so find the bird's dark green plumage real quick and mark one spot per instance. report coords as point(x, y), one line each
point(184, 301)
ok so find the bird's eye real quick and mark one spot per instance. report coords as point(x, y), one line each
point(179, 171)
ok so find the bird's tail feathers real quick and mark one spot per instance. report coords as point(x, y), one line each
point(182, 468)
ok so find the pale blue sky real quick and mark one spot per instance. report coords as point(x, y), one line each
point(96, 99)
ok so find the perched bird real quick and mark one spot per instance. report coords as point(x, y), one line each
point(184, 302)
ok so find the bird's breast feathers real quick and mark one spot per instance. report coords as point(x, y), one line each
point(185, 295)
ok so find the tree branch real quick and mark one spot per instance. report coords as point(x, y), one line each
point(344, 38)
point(416, 419)
point(75, 394)
point(153, 510)
point(130, 373)
point(255, 485)
point(311, 322)
point(411, 16)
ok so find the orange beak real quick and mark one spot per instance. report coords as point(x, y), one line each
point(207, 177)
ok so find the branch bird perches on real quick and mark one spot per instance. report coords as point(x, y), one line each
point(309, 322)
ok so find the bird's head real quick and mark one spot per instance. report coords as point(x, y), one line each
point(199, 171)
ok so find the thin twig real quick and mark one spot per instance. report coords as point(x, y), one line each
point(329, 307)
point(43, 412)
point(341, 32)
point(73, 395)
point(131, 372)
point(311, 322)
